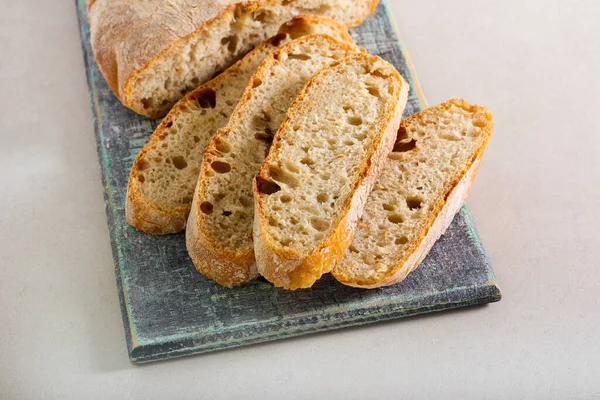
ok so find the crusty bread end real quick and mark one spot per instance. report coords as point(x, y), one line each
point(425, 182)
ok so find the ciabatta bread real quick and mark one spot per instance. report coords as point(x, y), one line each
point(219, 229)
point(153, 52)
point(164, 174)
point(425, 182)
point(325, 159)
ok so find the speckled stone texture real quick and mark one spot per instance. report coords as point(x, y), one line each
point(169, 310)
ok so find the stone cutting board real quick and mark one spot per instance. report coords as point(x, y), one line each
point(169, 310)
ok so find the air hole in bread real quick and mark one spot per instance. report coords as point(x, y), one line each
point(146, 103)
point(260, 122)
point(281, 176)
point(401, 240)
point(186, 199)
point(325, 176)
point(206, 98)
point(322, 197)
point(373, 91)
point(261, 16)
point(360, 136)
point(348, 142)
point(319, 224)
point(222, 146)
point(141, 178)
point(220, 167)
point(307, 161)
point(142, 164)
point(286, 2)
point(414, 203)
point(264, 137)
point(277, 39)
point(293, 168)
point(388, 207)
point(395, 218)
point(196, 139)
point(403, 143)
point(206, 207)
point(272, 221)
point(256, 82)
point(179, 162)
point(231, 42)
point(227, 213)
point(332, 141)
point(238, 12)
point(378, 73)
point(266, 187)
point(301, 57)
point(195, 82)
point(347, 108)
point(285, 198)
point(169, 124)
point(355, 121)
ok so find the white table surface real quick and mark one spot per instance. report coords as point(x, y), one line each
point(536, 202)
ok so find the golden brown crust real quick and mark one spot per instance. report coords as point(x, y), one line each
point(289, 268)
point(439, 219)
point(128, 36)
point(225, 269)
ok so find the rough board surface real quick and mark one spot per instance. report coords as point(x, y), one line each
point(169, 310)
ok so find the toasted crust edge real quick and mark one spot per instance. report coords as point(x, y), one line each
point(288, 268)
point(441, 218)
point(205, 257)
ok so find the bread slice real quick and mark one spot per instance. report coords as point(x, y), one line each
point(325, 159)
point(219, 229)
point(164, 174)
point(153, 52)
point(425, 182)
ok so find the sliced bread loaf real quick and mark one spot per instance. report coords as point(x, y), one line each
point(325, 159)
point(219, 229)
point(153, 52)
point(425, 182)
point(164, 174)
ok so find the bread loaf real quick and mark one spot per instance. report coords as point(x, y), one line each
point(219, 229)
point(325, 159)
point(425, 182)
point(153, 52)
point(164, 174)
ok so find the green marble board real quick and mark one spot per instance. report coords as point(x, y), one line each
point(169, 310)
